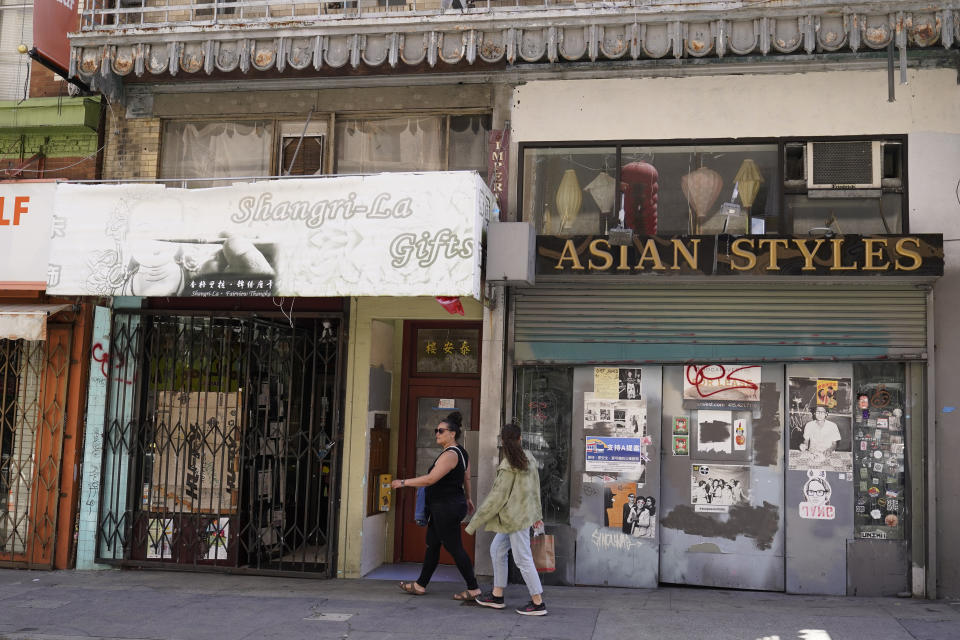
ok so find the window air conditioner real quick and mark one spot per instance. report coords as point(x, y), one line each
point(844, 166)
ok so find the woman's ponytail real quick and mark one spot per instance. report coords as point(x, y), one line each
point(510, 438)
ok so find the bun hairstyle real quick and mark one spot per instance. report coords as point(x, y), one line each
point(454, 422)
point(510, 438)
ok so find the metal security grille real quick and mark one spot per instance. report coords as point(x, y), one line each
point(219, 442)
point(33, 383)
point(567, 322)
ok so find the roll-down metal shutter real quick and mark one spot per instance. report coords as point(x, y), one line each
point(568, 322)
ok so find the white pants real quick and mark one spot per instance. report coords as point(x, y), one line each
point(519, 541)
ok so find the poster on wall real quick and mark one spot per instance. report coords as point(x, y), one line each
point(721, 386)
point(626, 509)
point(216, 539)
point(820, 424)
point(816, 497)
point(714, 488)
point(398, 234)
point(606, 382)
point(629, 387)
point(714, 431)
point(615, 455)
point(160, 538)
point(621, 418)
point(681, 445)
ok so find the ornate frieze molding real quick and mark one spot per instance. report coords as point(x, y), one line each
point(643, 30)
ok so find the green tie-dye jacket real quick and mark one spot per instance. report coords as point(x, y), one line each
point(514, 501)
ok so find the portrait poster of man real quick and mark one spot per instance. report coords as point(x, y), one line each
point(629, 384)
point(820, 424)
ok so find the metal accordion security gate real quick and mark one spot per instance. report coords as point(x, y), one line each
point(33, 405)
point(219, 442)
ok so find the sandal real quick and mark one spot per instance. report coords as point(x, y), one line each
point(465, 596)
point(411, 588)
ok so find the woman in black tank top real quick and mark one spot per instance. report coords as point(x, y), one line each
point(448, 501)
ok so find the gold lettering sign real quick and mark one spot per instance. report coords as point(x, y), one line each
point(760, 255)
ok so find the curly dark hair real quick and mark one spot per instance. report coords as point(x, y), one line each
point(454, 422)
point(510, 436)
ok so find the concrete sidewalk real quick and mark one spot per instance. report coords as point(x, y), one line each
point(69, 605)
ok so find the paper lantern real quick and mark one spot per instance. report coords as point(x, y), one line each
point(640, 186)
point(748, 182)
point(603, 190)
point(569, 198)
point(701, 189)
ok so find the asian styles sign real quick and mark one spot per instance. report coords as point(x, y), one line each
point(399, 234)
point(890, 255)
point(26, 211)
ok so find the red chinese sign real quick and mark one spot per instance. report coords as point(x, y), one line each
point(52, 21)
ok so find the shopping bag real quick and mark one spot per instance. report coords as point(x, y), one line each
point(421, 512)
point(544, 558)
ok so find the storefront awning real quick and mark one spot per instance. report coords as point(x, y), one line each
point(26, 321)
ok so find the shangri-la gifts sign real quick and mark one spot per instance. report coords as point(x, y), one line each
point(398, 234)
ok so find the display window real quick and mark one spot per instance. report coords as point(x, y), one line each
point(740, 188)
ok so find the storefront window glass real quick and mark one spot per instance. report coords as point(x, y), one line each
point(735, 188)
point(543, 409)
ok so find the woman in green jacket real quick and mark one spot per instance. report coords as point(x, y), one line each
point(510, 509)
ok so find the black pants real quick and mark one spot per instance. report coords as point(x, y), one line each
point(444, 529)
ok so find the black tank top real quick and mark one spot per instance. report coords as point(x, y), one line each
point(449, 488)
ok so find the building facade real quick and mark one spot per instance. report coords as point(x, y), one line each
point(714, 188)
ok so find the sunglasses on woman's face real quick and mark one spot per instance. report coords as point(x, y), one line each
point(442, 430)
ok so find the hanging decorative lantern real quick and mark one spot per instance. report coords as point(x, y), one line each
point(603, 190)
point(701, 189)
point(569, 198)
point(748, 182)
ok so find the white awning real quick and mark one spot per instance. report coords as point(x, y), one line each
point(26, 321)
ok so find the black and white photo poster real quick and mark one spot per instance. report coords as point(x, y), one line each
point(821, 417)
point(714, 488)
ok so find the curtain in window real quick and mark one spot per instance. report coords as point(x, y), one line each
point(216, 149)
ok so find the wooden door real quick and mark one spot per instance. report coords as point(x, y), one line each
point(426, 406)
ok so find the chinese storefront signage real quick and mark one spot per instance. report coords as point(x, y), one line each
point(448, 350)
point(413, 234)
point(896, 255)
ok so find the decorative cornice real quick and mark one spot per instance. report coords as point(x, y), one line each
point(652, 31)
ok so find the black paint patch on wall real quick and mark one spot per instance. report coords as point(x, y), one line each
point(759, 523)
point(714, 431)
point(766, 429)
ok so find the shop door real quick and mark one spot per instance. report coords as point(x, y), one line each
point(722, 479)
point(426, 406)
point(220, 442)
point(33, 403)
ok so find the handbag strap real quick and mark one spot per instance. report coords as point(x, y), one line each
point(459, 453)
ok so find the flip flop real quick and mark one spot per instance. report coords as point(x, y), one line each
point(409, 587)
point(464, 596)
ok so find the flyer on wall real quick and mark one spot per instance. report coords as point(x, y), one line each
point(621, 418)
point(615, 455)
point(721, 386)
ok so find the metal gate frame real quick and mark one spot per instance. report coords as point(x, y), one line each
point(45, 415)
point(129, 431)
